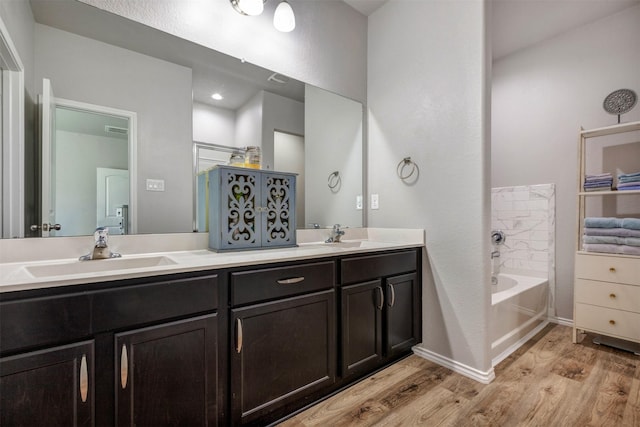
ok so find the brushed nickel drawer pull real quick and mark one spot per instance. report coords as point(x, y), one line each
point(393, 296)
point(238, 335)
point(124, 367)
point(612, 270)
point(612, 296)
point(291, 281)
point(612, 322)
point(381, 298)
point(84, 379)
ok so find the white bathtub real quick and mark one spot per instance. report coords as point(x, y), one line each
point(518, 312)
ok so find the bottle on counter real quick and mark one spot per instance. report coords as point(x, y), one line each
point(252, 157)
point(237, 159)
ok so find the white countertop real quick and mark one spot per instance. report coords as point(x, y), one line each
point(24, 273)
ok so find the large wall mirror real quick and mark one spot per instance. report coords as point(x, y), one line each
point(92, 57)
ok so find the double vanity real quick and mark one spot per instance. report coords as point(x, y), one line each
point(193, 337)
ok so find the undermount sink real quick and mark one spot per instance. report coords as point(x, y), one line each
point(96, 266)
point(346, 244)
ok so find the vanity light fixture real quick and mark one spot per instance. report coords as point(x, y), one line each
point(283, 19)
point(217, 96)
point(248, 7)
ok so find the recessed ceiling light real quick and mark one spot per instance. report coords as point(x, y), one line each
point(217, 97)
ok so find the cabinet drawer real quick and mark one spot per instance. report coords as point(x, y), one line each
point(617, 323)
point(608, 268)
point(361, 269)
point(44, 321)
point(260, 285)
point(606, 294)
point(135, 305)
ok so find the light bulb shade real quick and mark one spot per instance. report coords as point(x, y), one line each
point(248, 7)
point(284, 20)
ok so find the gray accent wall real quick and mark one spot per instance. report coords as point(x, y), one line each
point(159, 92)
point(333, 142)
point(428, 99)
point(17, 17)
point(327, 48)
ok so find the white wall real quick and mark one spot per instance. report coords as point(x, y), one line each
point(77, 157)
point(541, 97)
point(213, 125)
point(327, 48)
point(85, 70)
point(428, 67)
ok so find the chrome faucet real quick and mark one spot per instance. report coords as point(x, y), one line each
point(336, 234)
point(100, 249)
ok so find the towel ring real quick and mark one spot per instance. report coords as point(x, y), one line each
point(334, 179)
point(404, 163)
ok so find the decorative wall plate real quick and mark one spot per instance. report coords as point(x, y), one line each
point(620, 101)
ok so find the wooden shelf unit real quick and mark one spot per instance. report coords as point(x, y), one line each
point(606, 285)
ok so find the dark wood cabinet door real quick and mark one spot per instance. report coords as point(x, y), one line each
point(166, 375)
point(281, 352)
point(361, 306)
point(403, 318)
point(52, 387)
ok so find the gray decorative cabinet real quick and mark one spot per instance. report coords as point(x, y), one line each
point(251, 208)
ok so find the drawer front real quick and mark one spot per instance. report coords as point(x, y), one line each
point(44, 321)
point(269, 283)
point(608, 268)
point(616, 323)
point(135, 305)
point(606, 294)
point(365, 268)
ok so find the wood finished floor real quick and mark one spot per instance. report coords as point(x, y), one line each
point(548, 382)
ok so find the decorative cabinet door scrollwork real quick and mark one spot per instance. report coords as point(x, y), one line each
point(251, 208)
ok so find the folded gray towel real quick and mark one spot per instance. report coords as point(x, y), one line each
point(602, 222)
point(612, 249)
point(620, 232)
point(631, 223)
point(614, 240)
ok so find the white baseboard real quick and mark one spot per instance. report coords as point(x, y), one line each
point(561, 321)
point(460, 368)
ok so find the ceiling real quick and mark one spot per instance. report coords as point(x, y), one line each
point(517, 24)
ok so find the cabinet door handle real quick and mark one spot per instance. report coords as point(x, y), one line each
point(124, 367)
point(612, 322)
point(381, 292)
point(612, 270)
point(291, 281)
point(238, 335)
point(393, 295)
point(612, 296)
point(84, 379)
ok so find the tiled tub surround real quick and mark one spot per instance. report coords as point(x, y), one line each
point(526, 214)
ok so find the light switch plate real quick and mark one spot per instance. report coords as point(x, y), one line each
point(155, 184)
point(374, 201)
point(359, 202)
